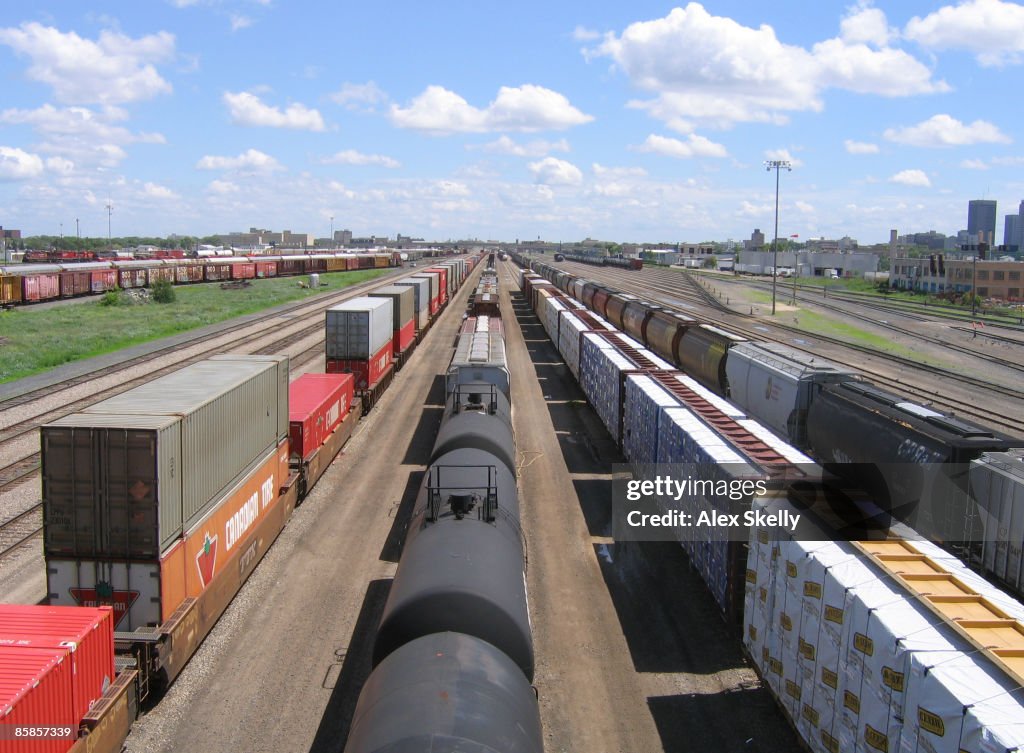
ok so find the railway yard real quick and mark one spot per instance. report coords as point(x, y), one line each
point(631, 650)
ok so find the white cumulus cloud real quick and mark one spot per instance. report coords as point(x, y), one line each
point(16, 164)
point(694, 146)
point(864, 24)
point(112, 69)
point(251, 160)
point(992, 29)
point(711, 69)
point(249, 110)
point(944, 130)
point(352, 157)
point(911, 178)
point(525, 108)
point(555, 172)
point(860, 147)
point(973, 164)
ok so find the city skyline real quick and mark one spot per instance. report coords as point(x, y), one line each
point(643, 123)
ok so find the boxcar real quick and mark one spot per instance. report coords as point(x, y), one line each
point(74, 283)
point(243, 270)
point(10, 289)
point(266, 268)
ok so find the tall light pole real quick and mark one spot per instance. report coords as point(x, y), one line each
point(110, 211)
point(776, 164)
point(332, 231)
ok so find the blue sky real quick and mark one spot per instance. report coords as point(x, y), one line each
point(561, 120)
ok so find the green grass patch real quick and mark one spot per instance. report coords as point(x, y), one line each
point(36, 340)
point(813, 323)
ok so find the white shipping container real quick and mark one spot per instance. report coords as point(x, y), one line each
point(359, 328)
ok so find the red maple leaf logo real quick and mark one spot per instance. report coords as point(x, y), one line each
point(206, 560)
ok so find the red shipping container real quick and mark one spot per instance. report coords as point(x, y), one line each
point(317, 404)
point(40, 287)
point(366, 373)
point(35, 691)
point(443, 288)
point(405, 336)
point(87, 633)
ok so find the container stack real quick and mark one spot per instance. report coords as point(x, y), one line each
point(403, 316)
point(421, 299)
point(434, 280)
point(359, 340)
point(136, 488)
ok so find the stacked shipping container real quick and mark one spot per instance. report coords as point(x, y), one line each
point(130, 484)
point(359, 340)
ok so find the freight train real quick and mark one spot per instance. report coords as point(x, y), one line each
point(869, 637)
point(34, 283)
point(913, 459)
point(154, 517)
point(619, 262)
point(453, 657)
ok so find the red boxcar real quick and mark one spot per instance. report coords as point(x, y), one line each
point(40, 287)
point(292, 266)
point(87, 632)
point(367, 373)
point(35, 691)
point(102, 280)
point(188, 271)
point(244, 270)
point(266, 269)
point(352, 262)
point(75, 283)
point(317, 404)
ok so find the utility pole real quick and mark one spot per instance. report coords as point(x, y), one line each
point(777, 165)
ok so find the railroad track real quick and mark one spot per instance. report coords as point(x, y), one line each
point(670, 293)
point(975, 352)
point(20, 530)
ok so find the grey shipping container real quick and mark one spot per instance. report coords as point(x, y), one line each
point(229, 419)
point(403, 300)
point(282, 384)
point(776, 384)
point(421, 295)
point(112, 485)
point(359, 328)
point(435, 282)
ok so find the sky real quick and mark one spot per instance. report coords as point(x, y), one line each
point(640, 121)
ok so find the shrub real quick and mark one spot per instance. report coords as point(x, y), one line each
point(112, 298)
point(163, 292)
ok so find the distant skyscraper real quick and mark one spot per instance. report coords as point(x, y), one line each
point(1013, 230)
point(981, 220)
